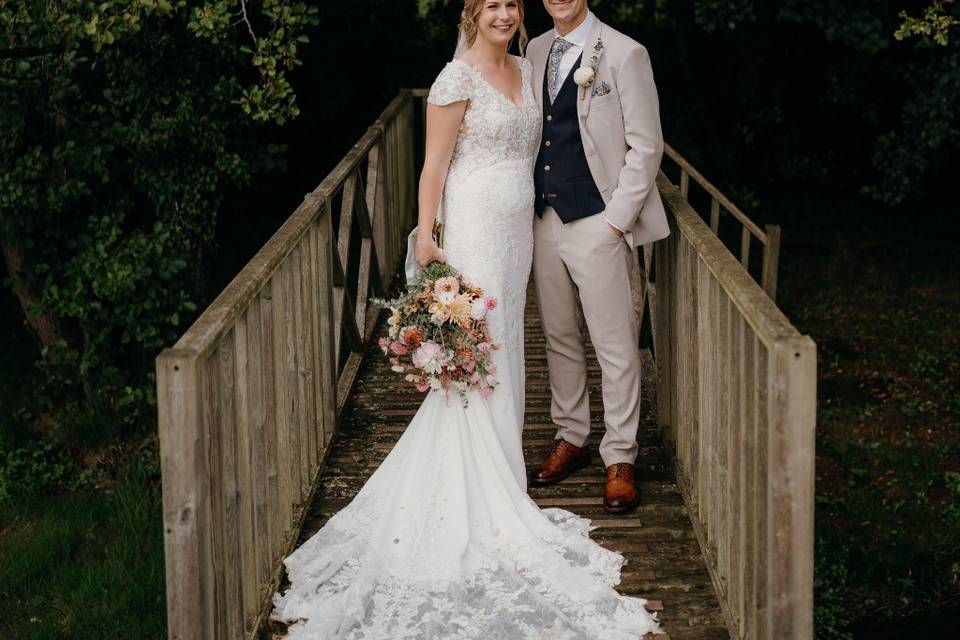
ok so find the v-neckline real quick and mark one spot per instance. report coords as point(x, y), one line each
point(523, 84)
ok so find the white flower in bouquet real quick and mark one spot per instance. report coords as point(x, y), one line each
point(478, 309)
point(429, 357)
point(393, 322)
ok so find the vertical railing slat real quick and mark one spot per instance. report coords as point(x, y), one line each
point(313, 320)
point(258, 445)
point(211, 418)
point(233, 601)
point(328, 363)
point(291, 386)
point(771, 261)
point(246, 567)
point(284, 449)
point(301, 372)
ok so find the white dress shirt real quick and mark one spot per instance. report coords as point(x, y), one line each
point(577, 38)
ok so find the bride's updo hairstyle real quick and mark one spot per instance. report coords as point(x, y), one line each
point(468, 22)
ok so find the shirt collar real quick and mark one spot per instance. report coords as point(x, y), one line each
point(578, 37)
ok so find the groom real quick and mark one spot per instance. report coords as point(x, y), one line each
point(596, 199)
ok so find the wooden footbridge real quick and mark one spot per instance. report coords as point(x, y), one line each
point(274, 408)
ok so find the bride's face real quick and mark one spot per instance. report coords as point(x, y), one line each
point(498, 21)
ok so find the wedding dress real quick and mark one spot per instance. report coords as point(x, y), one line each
point(443, 542)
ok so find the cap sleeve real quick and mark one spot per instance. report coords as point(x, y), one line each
point(452, 85)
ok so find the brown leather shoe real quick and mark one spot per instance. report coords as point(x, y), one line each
point(564, 458)
point(621, 493)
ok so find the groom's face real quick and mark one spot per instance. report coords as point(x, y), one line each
point(566, 14)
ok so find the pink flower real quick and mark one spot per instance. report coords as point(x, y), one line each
point(398, 349)
point(422, 386)
point(394, 362)
point(448, 285)
point(483, 347)
point(384, 343)
point(446, 289)
point(491, 303)
point(485, 392)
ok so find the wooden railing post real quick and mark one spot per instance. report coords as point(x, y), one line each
point(186, 499)
point(792, 380)
point(771, 261)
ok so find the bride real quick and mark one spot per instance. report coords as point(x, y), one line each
point(443, 542)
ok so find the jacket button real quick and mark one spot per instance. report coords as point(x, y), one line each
point(546, 168)
point(549, 118)
point(547, 143)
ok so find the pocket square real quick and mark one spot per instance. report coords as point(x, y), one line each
point(600, 89)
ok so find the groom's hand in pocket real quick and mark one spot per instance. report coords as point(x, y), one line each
point(615, 231)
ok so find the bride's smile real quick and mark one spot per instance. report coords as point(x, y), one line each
point(498, 21)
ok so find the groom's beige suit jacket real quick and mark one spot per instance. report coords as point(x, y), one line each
point(620, 131)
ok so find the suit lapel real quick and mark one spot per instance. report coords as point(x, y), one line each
point(539, 61)
point(583, 105)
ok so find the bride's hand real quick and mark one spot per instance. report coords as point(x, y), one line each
point(427, 251)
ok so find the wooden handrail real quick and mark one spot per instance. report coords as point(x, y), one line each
point(250, 396)
point(769, 237)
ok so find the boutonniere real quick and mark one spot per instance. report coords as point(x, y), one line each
point(585, 75)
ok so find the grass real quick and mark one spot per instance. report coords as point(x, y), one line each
point(885, 319)
point(85, 565)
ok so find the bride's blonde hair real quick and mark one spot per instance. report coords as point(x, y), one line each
point(468, 22)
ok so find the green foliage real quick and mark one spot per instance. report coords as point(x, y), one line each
point(720, 15)
point(831, 588)
point(28, 471)
point(933, 26)
point(125, 123)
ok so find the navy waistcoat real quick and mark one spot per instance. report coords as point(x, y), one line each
point(562, 176)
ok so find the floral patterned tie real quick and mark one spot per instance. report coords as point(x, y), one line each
point(559, 47)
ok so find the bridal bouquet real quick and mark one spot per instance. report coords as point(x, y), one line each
point(438, 335)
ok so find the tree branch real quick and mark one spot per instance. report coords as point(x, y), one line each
point(243, 11)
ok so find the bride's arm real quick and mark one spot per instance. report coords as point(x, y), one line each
point(443, 123)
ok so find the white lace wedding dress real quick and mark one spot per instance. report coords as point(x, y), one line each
point(443, 542)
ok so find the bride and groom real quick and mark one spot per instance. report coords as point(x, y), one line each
point(548, 163)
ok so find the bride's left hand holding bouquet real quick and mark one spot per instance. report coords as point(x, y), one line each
point(438, 335)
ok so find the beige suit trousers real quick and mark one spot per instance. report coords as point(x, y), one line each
point(581, 274)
